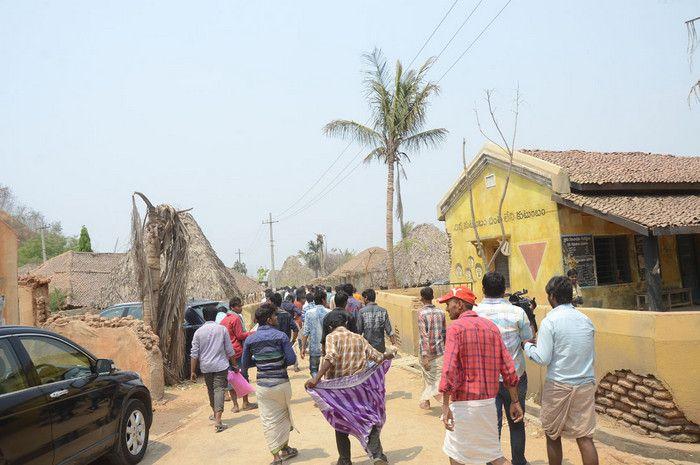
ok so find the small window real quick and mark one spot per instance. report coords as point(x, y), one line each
point(11, 377)
point(55, 360)
point(490, 180)
point(612, 264)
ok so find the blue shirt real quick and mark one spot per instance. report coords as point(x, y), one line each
point(313, 328)
point(270, 351)
point(513, 323)
point(286, 323)
point(565, 345)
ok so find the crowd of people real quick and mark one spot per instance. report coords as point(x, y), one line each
point(474, 368)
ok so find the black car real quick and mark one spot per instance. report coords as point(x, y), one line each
point(59, 404)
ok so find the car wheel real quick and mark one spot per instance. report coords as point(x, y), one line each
point(133, 435)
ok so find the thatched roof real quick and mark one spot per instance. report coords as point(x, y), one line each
point(366, 269)
point(246, 284)
point(423, 256)
point(80, 275)
point(208, 276)
point(293, 273)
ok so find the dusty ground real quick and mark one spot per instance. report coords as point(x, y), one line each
point(182, 432)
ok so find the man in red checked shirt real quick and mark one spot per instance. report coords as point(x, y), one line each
point(475, 356)
point(233, 322)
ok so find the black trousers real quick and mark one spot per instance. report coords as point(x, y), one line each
point(343, 442)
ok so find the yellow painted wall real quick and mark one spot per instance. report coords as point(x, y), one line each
point(665, 344)
point(524, 198)
point(8, 273)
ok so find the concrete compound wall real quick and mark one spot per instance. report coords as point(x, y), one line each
point(663, 344)
point(130, 350)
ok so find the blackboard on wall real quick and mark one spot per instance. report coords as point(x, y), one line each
point(577, 252)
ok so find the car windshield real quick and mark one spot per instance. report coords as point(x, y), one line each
point(112, 312)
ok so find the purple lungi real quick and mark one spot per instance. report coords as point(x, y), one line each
point(354, 404)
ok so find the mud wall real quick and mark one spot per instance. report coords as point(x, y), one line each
point(128, 342)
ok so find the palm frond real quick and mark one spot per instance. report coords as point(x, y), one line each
point(425, 139)
point(378, 153)
point(344, 128)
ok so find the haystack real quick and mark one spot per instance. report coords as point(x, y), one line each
point(422, 257)
point(208, 277)
point(366, 269)
point(293, 273)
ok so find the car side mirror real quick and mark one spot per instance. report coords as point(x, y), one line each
point(104, 366)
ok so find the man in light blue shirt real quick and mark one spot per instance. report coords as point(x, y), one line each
point(313, 330)
point(515, 329)
point(566, 346)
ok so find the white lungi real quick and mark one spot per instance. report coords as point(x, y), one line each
point(475, 436)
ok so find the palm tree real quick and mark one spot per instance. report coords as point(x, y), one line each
point(397, 123)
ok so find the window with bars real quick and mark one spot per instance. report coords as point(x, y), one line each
point(501, 265)
point(612, 264)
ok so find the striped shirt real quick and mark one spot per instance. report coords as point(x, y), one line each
point(348, 353)
point(270, 351)
point(431, 331)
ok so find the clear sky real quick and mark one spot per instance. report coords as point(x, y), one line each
point(218, 105)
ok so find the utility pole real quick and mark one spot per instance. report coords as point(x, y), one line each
point(239, 253)
point(43, 243)
point(271, 280)
point(322, 258)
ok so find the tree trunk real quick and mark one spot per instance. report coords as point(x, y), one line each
point(152, 249)
point(390, 223)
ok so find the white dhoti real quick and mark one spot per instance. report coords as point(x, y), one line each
point(275, 414)
point(475, 436)
point(431, 379)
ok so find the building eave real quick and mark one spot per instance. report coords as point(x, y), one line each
point(528, 166)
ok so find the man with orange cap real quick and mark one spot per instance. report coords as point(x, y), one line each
point(475, 356)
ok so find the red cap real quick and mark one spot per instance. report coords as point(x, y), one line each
point(461, 293)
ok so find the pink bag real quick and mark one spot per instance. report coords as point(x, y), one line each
point(239, 384)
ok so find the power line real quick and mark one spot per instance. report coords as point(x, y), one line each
point(425, 43)
point(474, 41)
point(319, 179)
point(432, 33)
point(458, 29)
point(338, 178)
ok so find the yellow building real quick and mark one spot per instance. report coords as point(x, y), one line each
point(607, 215)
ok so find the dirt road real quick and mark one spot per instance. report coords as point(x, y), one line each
point(182, 432)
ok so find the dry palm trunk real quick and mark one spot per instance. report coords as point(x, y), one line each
point(162, 290)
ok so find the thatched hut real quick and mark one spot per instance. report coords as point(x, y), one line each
point(293, 273)
point(422, 257)
point(250, 288)
point(366, 269)
point(80, 276)
point(208, 277)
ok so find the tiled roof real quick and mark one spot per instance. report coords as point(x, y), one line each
point(650, 211)
point(81, 275)
point(622, 167)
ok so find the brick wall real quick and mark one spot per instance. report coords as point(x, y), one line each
point(644, 404)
